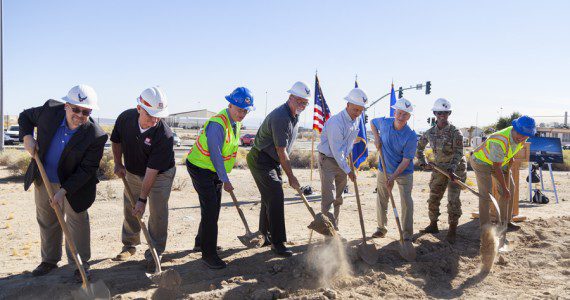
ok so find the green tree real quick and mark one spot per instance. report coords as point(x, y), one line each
point(505, 122)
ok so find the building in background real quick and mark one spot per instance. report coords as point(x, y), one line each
point(193, 119)
point(562, 133)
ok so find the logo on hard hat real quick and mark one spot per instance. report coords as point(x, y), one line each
point(364, 99)
point(307, 91)
point(81, 99)
point(407, 104)
point(444, 105)
point(247, 101)
point(160, 105)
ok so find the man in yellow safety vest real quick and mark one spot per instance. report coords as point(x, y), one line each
point(492, 159)
point(209, 161)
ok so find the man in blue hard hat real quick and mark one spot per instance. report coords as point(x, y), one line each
point(492, 159)
point(209, 161)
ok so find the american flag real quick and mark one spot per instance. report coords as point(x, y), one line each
point(322, 111)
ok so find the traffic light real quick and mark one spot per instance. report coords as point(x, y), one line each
point(400, 93)
point(428, 87)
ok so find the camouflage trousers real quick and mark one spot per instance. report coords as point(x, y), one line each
point(437, 185)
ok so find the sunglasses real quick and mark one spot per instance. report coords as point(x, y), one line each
point(442, 113)
point(77, 110)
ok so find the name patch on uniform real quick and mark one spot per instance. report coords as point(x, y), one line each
point(147, 141)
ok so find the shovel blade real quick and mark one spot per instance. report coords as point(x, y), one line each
point(93, 291)
point(407, 251)
point(168, 279)
point(323, 225)
point(251, 240)
point(368, 253)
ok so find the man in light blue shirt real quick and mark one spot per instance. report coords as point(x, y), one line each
point(398, 142)
point(337, 140)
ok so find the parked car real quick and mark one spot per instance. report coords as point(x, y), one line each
point(176, 139)
point(247, 139)
point(12, 135)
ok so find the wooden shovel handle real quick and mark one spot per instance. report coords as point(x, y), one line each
point(62, 223)
point(459, 182)
point(143, 227)
point(240, 212)
point(360, 215)
point(306, 202)
point(380, 153)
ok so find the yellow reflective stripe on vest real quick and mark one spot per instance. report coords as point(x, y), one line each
point(201, 156)
point(502, 138)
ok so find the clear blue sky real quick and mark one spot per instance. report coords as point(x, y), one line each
point(482, 56)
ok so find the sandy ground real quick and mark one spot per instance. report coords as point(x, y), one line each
point(537, 267)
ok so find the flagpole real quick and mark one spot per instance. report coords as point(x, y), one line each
point(313, 137)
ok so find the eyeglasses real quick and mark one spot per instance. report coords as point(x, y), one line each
point(85, 112)
point(442, 113)
point(302, 103)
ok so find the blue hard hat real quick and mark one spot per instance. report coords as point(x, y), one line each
point(242, 98)
point(525, 125)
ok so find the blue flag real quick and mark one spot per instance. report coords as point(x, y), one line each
point(360, 149)
point(392, 100)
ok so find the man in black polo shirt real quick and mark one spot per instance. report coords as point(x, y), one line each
point(270, 153)
point(146, 142)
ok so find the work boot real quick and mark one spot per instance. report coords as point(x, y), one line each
point(380, 233)
point(125, 254)
point(43, 269)
point(431, 228)
point(451, 233)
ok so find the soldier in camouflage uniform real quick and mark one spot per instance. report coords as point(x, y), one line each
point(446, 142)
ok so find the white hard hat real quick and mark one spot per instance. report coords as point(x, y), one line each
point(357, 96)
point(300, 89)
point(404, 104)
point(82, 95)
point(441, 105)
point(153, 100)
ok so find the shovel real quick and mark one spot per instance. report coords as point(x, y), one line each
point(97, 290)
point(168, 279)
point(406, 247)
point(249, 239)
point(321, 223)
point(505, 246)
point(465, 186)
point(367, 252)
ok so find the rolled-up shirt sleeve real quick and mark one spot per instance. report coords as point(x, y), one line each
point(215, 137)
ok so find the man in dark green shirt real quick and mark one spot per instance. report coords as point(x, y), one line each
point(270, 153)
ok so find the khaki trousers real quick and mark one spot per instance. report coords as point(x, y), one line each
point(485, 177)
point(405, 185)
point(51, 233)
point(157, 210)
point(333, 181)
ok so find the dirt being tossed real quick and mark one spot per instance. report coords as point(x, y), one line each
point(323, 225)
point(329, 261)
point(489, 247)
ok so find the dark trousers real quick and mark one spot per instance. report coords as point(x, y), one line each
point(267, 175)
point(209, 189)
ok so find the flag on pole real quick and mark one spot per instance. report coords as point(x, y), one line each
point(360, 149)
point(392, 100)
point(322, 111)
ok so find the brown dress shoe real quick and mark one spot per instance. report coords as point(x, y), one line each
point(125, 254)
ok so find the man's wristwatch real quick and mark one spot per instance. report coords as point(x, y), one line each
point(142, 200)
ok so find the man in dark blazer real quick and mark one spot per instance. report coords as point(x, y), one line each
point(70, 146)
